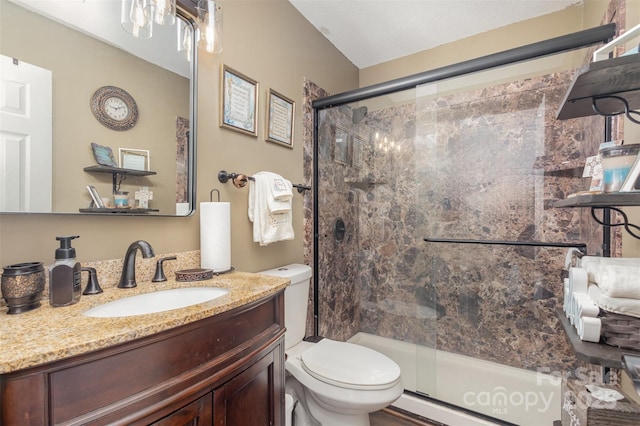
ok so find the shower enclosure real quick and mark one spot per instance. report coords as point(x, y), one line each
point(436, 240)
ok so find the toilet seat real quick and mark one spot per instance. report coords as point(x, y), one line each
point(349, 366)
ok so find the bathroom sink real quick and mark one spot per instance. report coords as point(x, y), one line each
point(159, 301)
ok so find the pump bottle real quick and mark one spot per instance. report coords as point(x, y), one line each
point(65, 285)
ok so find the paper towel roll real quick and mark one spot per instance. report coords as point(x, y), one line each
point(215, 236)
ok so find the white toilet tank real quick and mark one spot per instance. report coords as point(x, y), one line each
point(296, 297)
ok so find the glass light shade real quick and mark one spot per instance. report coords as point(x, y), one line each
point(162, 12)
point(134, 20)
point(185, 37)
point(209, 26)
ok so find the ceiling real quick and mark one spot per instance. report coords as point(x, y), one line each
point(369, 32)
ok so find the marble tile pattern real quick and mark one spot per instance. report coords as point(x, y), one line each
point(481, 163)
point(47, 334)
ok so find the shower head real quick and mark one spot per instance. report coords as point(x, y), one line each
point(359, 114)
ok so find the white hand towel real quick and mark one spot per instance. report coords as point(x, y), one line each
point(618, 305)
point(620, 281)
point(268, 227)
point(279, 192)
point(594, 265)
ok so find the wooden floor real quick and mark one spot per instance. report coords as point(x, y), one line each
point(392, 417)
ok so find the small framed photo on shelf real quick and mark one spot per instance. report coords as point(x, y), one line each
point(103, 155)
point(97, 201)
point(280, 115)
point(341, 146)
point(356, 151)
point(239, 102)
point(134, 159)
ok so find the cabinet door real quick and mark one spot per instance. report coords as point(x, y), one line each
point(198, 413)
point(253, 397)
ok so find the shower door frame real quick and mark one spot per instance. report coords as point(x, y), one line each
point(573, 41)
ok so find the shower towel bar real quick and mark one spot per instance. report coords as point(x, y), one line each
point(240, 180)
point(580, 246)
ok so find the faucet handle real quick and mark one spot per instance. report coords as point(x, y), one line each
point(159, 275)
point(93, 287)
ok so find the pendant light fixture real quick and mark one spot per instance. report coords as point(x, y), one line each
point(209, 26)
point(185, 39)
point(162, 12)
point(134, 20)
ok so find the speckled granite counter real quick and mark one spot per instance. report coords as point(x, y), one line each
point(48, 334)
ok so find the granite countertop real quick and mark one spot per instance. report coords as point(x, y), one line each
point(49, 334)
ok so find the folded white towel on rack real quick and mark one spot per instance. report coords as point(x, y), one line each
point(279, 191)
point(268, 227)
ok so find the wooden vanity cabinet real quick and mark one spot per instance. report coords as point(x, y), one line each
point(227, 369)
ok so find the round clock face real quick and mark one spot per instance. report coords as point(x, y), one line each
point(114, 108)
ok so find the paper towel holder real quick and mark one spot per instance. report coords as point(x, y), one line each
point(211, 195)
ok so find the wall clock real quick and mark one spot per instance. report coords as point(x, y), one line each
point(114, 108)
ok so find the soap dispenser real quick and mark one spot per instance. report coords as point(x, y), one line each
point(65, 275)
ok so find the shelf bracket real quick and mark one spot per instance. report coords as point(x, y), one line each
point(629, 227)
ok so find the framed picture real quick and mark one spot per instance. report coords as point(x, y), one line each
point(97, 201)
point(239, 102)
point(341, 146)
point(103, 155)
point(356, 152)
point(134, 159)
point(280, 112)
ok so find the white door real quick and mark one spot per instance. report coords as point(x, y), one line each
point(25, 137)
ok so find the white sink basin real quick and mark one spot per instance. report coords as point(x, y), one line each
point(159, 301)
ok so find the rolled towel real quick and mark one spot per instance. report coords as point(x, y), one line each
point(620, 281)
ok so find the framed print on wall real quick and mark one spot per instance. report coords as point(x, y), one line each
point(134, 159)
point(239, 102)
point(280, 113)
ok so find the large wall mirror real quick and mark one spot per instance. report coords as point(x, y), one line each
point(61, 63)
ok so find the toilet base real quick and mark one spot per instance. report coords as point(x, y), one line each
point(309, 412)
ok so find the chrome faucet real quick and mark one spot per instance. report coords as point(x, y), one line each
point(128, 277)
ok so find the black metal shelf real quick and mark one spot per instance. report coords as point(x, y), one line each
point(619, 199)
point(117, 174)
point(600, 80)
point(116, 210)
point(118, 171)
point(593, 353)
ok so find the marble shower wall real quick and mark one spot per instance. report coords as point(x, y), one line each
point(481, 164)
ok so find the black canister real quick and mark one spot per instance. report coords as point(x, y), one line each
point(22, 286)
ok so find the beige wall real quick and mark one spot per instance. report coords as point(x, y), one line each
point(268, 41)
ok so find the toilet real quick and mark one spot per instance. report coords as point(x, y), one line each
point(335, 383)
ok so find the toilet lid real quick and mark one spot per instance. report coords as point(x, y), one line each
point(350, 366)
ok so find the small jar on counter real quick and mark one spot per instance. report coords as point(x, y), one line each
point(22, 286)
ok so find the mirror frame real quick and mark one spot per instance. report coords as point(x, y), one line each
point(185, 11)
